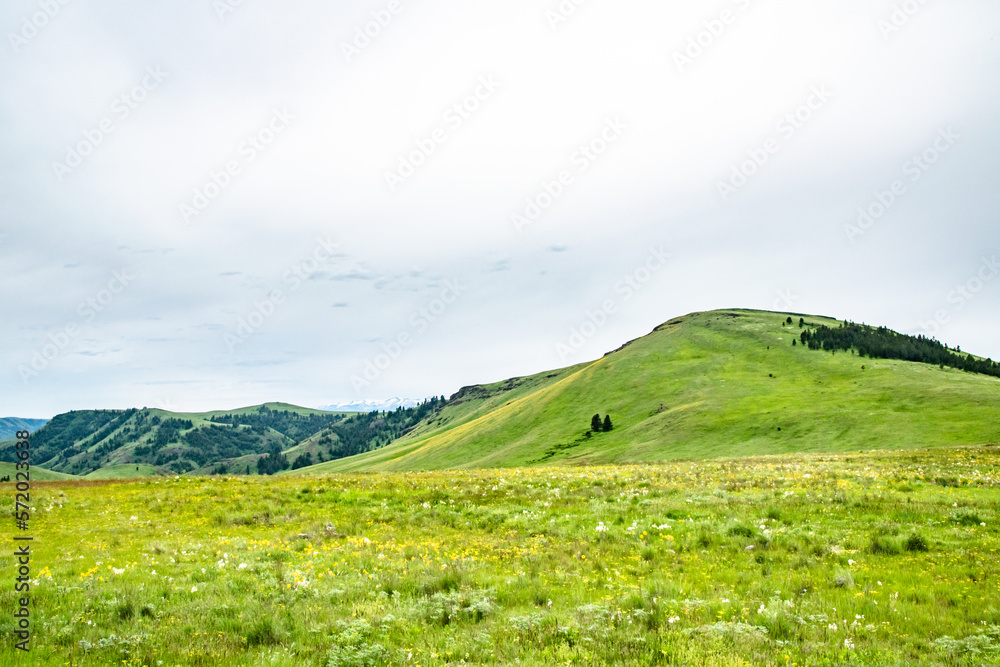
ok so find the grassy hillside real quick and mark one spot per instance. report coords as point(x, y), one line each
point(126, 471)
point(722, 383)
point(37, 474)
point(112, 443)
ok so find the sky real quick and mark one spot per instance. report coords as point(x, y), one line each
point(206, 205)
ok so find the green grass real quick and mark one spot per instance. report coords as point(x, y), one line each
point(875, 559)
point(723, 383)
point(124, 471)
point(39, 474)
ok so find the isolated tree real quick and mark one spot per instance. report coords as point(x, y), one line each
point(595, 423)
point(794, 342)
point(802, 322)
point(607, 423)
point(789, 320)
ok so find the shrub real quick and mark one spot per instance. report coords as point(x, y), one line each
point(843, 579)
point(966, 518)
point(263, 633)
point(883, 545)
point(353, 648)
point(740, 530)
point(916, 542)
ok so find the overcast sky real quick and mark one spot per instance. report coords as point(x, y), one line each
point(206, 205)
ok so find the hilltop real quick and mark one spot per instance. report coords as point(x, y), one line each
point(712, 384)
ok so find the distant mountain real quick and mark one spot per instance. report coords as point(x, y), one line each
point(150, 441)
point(386, 405)
point(261, 439)
point(9, 426)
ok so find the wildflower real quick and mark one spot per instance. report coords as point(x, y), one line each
point(673, 619)
point(749, 548)
point(848, 644)
point(194, 589)
point(832, 626)
point(601, 528)
point(242, 566)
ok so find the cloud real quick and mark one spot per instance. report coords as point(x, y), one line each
point(296, 225)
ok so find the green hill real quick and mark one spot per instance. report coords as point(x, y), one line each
point(113, 443)
point(721, 383)
point(8, 470)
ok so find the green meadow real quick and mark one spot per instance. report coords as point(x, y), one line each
point(875, 558)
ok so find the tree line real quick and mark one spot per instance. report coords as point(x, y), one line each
point(884, 343)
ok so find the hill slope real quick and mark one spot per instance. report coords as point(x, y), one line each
point(9, 426)
point(134, 442)
point(721, 383)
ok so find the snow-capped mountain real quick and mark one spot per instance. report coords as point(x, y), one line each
point(372, 405)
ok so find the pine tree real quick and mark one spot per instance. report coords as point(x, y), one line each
point(595, 423)
point(607, 423)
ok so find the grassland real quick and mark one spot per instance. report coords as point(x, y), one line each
point(40, 474)
point(721, 383)
point(881, 558)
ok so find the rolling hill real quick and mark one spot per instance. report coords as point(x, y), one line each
point(11, 425)
point(712, 384)
point(142, 442)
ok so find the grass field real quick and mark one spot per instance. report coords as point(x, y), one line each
point(125, 471)
point(721, 383)
point(40, 474)
point(881, 558)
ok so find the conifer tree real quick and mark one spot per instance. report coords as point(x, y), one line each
point(595, 423)
point(607, 423)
